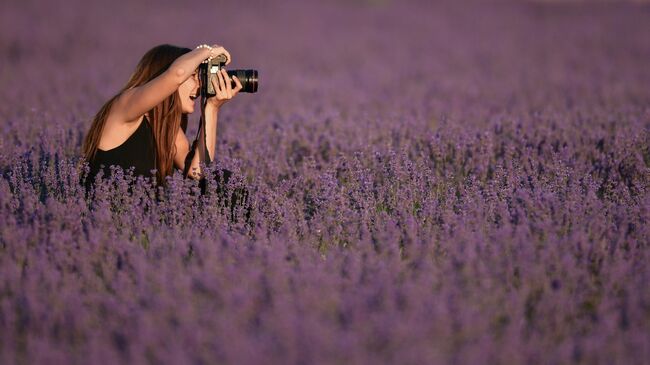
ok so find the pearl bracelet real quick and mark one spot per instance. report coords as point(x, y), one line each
point(210, 57)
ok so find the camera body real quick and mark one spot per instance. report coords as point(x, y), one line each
point(208, 71)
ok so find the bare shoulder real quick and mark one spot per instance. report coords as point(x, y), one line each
point(117, 130)
point(117, 113)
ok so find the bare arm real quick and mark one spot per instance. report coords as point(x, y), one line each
point(139, 100)
point(183, 144)
point(224, 92)
point(182, 149)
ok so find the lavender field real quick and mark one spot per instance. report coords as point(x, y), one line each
point(431, 182)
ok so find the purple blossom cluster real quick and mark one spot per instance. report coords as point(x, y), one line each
point(429, 182)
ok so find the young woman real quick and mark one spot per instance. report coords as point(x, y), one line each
point(143, 126)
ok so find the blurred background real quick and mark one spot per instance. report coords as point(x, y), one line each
point(377, 65)
point(433, 182)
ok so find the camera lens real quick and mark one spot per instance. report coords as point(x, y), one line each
point(248, 79)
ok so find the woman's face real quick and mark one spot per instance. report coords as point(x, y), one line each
point(188, 92)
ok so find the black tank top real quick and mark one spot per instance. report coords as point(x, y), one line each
point(138, 152)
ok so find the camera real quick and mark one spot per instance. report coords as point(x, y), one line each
point(208, 70)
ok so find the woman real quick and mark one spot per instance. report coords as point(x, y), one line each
point(143, 126)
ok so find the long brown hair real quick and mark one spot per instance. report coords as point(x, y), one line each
point(165, 117)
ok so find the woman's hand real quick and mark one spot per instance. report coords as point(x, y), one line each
point(223, 88)
point(217, 50)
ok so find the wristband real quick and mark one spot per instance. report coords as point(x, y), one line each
point(210, 57)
